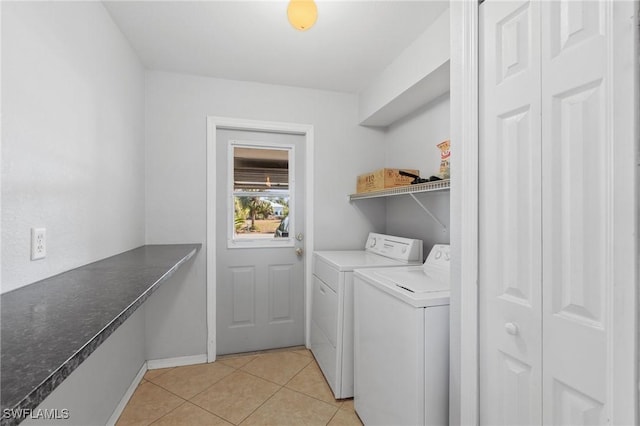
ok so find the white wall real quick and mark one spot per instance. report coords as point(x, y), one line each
point(72, 138)
point(92, 391)
point(174, 321)
point(416, 76)
point(0, 147)
point(73, 162)
point(176, 112)
point(411, 143)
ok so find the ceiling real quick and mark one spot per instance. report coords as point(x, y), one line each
point(351, 43)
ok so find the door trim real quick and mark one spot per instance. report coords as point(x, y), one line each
point(213, 124)
point(464, 382)
point(624, 20)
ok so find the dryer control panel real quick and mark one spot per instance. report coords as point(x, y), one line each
point(404, 249)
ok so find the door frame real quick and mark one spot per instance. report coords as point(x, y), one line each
point(464, 375)
point(213, 124)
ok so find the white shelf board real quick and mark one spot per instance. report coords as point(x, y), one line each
point(440, 185)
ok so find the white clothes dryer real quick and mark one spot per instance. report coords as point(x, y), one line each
point(332, 301)
point(401, 343)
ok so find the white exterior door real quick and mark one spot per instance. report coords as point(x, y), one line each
point(260, 228)
point(510, 214)
point(557, 213)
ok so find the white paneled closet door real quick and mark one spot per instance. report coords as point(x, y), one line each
point(510, 214)
point(577, 220)
point(557, 284)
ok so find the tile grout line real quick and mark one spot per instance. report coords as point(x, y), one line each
point(242, 371)
point(151, 383)
point(291, 390)
point(189, 399)
point(209, 387)
point(161, 374)
point(280, 386)
point(311, 360)
point(334, 414)
point(311, 396)
point(167, 413)
point(211, 412)
point(259, 406)
point(172, 393)
point(271, 381)
point(338, 408)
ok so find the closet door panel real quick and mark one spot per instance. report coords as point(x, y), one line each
point(510, 215)
point(577, 147)
point(557, 285)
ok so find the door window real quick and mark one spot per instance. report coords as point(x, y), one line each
point(261, 189)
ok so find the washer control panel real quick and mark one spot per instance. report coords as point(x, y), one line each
point(439, 255)
point(400, 248)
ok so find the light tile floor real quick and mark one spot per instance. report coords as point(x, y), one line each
point(282, 387)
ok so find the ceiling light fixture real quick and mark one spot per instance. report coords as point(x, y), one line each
point(302, 14)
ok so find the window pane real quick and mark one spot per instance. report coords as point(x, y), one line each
point(256, 169)
point(261, 217)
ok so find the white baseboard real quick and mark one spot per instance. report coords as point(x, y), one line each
point(127, 396)
point(154, 364)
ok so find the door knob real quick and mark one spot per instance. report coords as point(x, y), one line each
point(299, 251)
point(299, 237)
point(511, 328)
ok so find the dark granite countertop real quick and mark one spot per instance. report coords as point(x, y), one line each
point(49, 327)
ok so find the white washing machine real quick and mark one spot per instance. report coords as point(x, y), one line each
point(401, 343)
point(332, 301)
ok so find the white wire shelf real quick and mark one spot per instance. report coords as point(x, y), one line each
point(440, 185)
